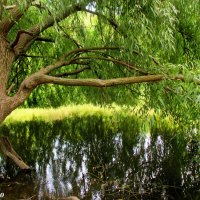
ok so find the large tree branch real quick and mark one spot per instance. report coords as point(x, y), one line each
point(15, 14)
point(38, 38)
point(25, 40)
point(39, 78)
point(100, 82)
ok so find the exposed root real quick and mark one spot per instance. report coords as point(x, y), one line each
point(8, 151)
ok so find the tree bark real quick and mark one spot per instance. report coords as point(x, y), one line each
point(6, 107)
point(8, 104)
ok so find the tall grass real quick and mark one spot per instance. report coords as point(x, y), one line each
point(52, 114)
point(117, 113)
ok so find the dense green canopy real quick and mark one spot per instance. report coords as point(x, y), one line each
point(114, 39)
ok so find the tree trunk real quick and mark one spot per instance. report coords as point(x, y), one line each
point(8, 104)
point(5, 146)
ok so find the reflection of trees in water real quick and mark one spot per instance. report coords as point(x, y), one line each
point(94, 159)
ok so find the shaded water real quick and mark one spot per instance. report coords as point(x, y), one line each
point(98, 158)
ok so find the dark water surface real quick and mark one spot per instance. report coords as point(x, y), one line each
point(97, 158)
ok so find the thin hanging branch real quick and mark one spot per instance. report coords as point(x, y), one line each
point(69, 37)
point(111, 21)
point(76, 52)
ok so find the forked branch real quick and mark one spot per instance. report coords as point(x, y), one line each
point(72, 58)
point(25, 40)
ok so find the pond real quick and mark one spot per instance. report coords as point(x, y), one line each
point(98, 158)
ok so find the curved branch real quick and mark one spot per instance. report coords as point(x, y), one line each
point(61, 62)
point(75, 72)
point(56, 65)
point(86, 50)
point(15, 14)
point(26, 40)
point(126, 64)
point(39, 78)
point(74, 60)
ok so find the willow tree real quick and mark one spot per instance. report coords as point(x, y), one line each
point(99, 44)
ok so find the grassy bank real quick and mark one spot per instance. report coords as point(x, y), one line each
point(118, 113)
point(52, 114)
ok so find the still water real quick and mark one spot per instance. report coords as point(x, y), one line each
point(97, 158)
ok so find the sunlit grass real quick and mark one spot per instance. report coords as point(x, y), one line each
point(146, 119)
point(52, 114)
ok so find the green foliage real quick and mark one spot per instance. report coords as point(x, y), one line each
point(156, 36)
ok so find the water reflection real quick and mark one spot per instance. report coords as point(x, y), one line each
point(94, 158)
